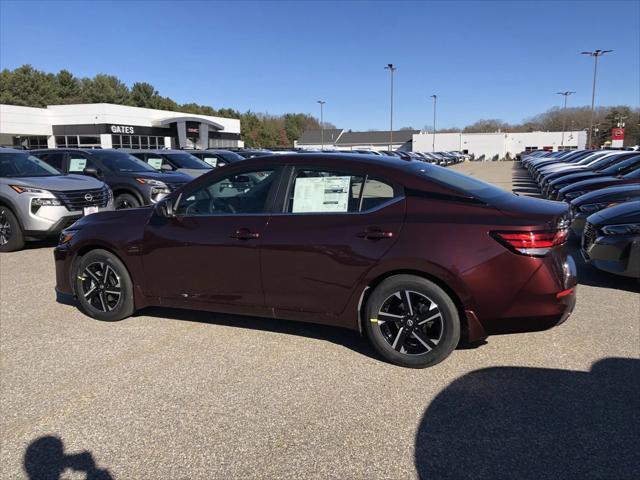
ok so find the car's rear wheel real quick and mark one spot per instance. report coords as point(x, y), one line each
point(11, 237)
point(411, 321)
point(103, 286)
point(125, 200)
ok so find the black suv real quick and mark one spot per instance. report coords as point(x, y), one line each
point(134, 183)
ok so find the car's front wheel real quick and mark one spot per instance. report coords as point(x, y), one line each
point(125, 200)
point(103, 286)
point(411, 321)
point(11, 237)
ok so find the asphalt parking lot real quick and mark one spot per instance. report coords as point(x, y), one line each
point(174, 394)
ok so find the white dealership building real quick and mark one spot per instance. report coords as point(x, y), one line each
point(478, 144)
point(113, 126)
point(499, 143)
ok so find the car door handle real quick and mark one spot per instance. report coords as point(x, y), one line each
point(245, 234)
point(375, 234)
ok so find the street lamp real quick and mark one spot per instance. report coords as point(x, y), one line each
point(391, 69)
point(595, 54)
point(433, 144)
point(321, 102)
point(564, 114)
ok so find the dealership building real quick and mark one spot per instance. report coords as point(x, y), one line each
point(488, 145)
point(107, 125)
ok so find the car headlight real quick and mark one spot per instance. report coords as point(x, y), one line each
point(23, 189)
point(152, 182)
point(622, 229)
point(594, 207)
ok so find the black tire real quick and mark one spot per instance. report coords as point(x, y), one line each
point(96, 296)
point(417, 339)
point(125, 200)
point(11, 237)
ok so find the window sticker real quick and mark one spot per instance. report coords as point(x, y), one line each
point(321, 194)
point(213, 161)
point(155, 162)
point(77, 164)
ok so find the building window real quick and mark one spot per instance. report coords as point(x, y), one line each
point(89, 142)
point(530, 149)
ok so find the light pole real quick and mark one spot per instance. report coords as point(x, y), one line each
point(564, 114)
point(391, 69)
point(433, 144)
point(595, 54)
point(321, 102)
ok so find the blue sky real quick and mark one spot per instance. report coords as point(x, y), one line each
point(502, 59)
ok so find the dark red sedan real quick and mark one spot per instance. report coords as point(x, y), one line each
point(413, 255)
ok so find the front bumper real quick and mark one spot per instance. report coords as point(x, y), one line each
point(619, 254)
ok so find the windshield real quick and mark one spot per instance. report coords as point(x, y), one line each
point(186, 160)
point(122, 162)
point(24, 165)
point(465, 184)
point(621, 166)
point(635, 174)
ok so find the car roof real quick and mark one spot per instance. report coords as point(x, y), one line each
point(12, 150)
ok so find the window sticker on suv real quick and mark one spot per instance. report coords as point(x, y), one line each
point(155, 162)
point(321, 194)
point(77, 164)
point(213, 161)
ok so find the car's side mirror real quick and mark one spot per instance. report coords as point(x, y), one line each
point(166, 207)
point(92, 172)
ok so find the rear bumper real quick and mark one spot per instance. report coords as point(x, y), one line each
point(536, 308)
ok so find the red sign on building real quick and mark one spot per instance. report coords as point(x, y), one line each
point(617, 134)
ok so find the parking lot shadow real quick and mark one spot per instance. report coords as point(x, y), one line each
point(340, 336)
point(45, 459)
point(532, 423)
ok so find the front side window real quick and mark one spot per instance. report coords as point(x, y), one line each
point(122, 162)
point(52, 158)
point(156, 161)
point(78, 162)
point(186, 160)
point(245, 193)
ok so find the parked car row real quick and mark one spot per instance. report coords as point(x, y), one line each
point(602, 188)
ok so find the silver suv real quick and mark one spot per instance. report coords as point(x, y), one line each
point(37, 201)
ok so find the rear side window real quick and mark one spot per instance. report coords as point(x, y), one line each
point(319, 191)
point(465, 184)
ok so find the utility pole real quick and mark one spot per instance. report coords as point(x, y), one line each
point(564, 114)
point(321, 102)
point(595, 54)
point(433, 144)
point(391, 69)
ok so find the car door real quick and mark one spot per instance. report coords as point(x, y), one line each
point(208, 253)
point(330, 232)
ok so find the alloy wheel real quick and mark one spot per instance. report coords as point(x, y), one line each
point(101, 286)
point(5, 228)
point(410, 322)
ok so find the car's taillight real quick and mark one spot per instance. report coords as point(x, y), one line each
point(535, 244)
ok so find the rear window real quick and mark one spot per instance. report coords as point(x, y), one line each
point(465, 184)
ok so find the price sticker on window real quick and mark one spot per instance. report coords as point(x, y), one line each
point(77, 164)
